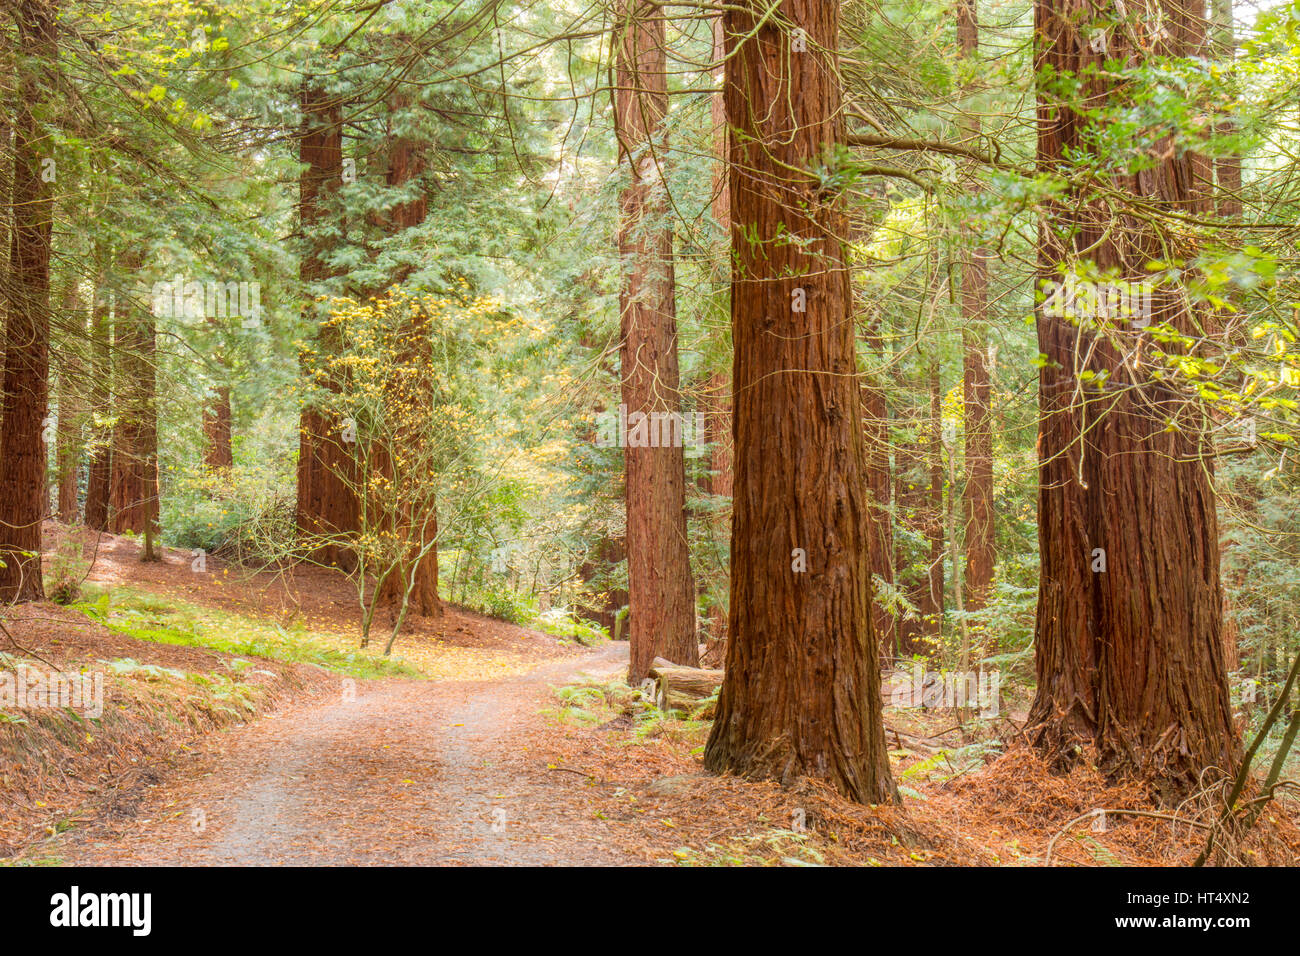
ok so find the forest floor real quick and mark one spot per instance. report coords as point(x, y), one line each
point(242, 726)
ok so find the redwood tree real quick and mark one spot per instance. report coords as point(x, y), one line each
point(878, 471)
point(406, 162)
point(24, 500)
point(133, 488)
point(72, 412)
point(327, 504)
point(100, 472)
point(718, 423)
point(1128, 637)
point(801, 696)
point(977, 495)
point(718, 386)
point(661, 589)
point(217, 452)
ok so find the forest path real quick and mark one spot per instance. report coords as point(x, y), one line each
point(407, 773)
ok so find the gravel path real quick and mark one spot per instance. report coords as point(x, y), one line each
point(408, 772)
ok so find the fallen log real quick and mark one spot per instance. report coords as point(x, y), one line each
point(682, 688)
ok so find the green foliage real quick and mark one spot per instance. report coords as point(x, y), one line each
point(230, 513)
point(562, 623)
point(176, 147)
point(67, 569)
point(166, 620)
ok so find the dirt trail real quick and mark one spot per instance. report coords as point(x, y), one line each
point(407, 772)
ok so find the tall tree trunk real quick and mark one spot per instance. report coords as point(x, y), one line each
point(1227, 176)
point(24, 499)
point(717, 428)
point(405, 163)
point(327, 503)
point(661, 590)
point(932, 611)
point(1227, 169)
point(100, 474)
point(218, 413)
point(718, 421)
point(977, 497)
point(218, 455)
point(72, 413)
point(133, 497)
point(879, 484)
point(801, 696)
point(1129, 649)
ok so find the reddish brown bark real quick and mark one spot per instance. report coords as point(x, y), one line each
point(878, 469)
point(661, 589)
point(977, 495)
point(1130, 658)
point(71, 415)
point(133, 488)
point(327, 504)
point(23, 492)
point(801, 696)
point(933, 606)
point(419, 573)
point(100, 473)
point(721, 130)
point(718, 404)
point(717, 432)
point(1228, 203)
point(217, 452)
